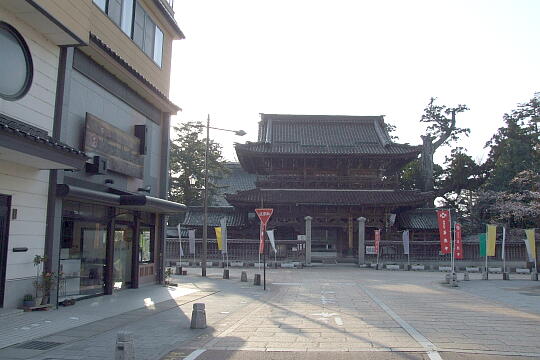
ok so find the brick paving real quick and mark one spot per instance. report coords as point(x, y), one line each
point(343, 311)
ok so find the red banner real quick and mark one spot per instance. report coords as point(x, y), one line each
point(264, 216)
point(377, 240)
point(458, 244)
point(445, 230)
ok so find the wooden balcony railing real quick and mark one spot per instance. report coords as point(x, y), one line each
point(317, 182)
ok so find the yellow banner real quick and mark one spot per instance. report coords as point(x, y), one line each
point(531, 248)
point(491, 239)
point(219, 238)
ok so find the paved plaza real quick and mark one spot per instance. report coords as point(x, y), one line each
point(335, 312)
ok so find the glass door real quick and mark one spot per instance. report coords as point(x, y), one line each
point(123, 247)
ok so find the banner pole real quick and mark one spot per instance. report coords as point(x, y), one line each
point(452, 244)
point(503, 252)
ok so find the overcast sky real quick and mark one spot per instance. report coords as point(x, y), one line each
point(338, 57)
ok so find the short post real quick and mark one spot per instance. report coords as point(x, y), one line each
point(506, 275)
point(198, 316)
point(308, 240)
point(124, 346)
point(534, 275)
point(453, 281)
point(225, 273)
point(361, 240)
point(243, 276)
point(466, 276)
point(485, 275)
point(257, 280)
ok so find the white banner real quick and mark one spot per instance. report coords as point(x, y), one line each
point(191, 241)
point(272, 240)
point(406, 242)
point(180, 238)
point(223, 222)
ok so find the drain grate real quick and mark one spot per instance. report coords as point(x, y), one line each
point(38, 345)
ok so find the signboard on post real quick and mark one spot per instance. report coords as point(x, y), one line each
point(445, 231)
point(264, 216)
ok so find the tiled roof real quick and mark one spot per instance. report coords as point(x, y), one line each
point(420, 219)
point(329, 197)
point(19, 128)
point(172, 232)
point(236, 180)
point(195, 216)
point(324, 134)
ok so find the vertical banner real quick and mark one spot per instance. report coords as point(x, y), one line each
point(458, 242)
point(218, 238)
point(377, 240)
point(445, 230)
point(406, 242)
point(482, 242)
point(180, 241)
point(191, 234)
point(264, 216)
point(531, 246)
point(491, 239)
point(272, 239)
point(223, 222)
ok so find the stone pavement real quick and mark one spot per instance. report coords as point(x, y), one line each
point(313, 313)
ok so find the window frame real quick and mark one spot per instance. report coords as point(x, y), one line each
point(27, 84)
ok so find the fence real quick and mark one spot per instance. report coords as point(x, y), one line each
point(237, 249)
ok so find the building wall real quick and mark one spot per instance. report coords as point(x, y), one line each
point(73, 14)
point(28, 186)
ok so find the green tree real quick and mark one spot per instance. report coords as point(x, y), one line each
point(187, 161)
point(441, 122)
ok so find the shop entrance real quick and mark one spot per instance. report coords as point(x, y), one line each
point(123, 247)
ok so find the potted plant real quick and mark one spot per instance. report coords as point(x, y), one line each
point(168, 275)
point(38, 264)
point(28, 300)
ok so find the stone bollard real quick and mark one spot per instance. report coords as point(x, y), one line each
point(225, 273)
point(534, 276)
point(257, 280)
point(506, 276)
point(124, 346)
point(243, 276)
point(198, 316)
point(466, 276)
point(453, 281)
point(178, 270)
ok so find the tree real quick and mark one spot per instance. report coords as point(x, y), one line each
point(187, 161)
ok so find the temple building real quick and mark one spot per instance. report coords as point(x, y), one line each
point(320, 174)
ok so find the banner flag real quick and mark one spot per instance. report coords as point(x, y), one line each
point(530, 244)
point(218, 238)
point(264, 216)
point(458, 243)
point(482, 241)
point(223, 222)
point(191, 234)
point(180, 239)
point(503, 243)
point(406, 242)
point(377, 240)
point(445, 230)
point(491, 239)
point(272, 240)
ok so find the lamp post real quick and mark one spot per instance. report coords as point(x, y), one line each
point(205, 222)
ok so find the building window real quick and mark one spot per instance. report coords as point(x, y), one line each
point(17, 69)
point(135, 22)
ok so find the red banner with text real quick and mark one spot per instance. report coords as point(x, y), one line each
point(377, 240)
point(458, 243)
point(445, 230)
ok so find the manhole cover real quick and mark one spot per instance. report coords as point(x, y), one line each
point(38, 345)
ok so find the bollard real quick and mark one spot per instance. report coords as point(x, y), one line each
point(178, 270)
point(466, 276)
point(124, 346)
point(198, 316)
point(506, 276)
point(534, 276)
point(243, 277)
point(225, 273)
point(454, 282)
point(184, 272)
point(257, 280)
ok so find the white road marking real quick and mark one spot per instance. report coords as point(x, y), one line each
point(194, 354)
point(225, 312)
point(431, 349)
point(324, 314)
point(338, 321)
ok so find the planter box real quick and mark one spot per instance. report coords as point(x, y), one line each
point(417, 267)
point(237, 264)
point(495, 270)
point(472, 269)
point(445, 268)
point(392, 267)
point(287, 265)
point(523, 271)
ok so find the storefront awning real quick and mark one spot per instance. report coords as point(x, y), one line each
point(134, 202)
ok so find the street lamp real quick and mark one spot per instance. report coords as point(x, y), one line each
point(205, 223)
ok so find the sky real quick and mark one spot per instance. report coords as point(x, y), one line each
point(241, 58)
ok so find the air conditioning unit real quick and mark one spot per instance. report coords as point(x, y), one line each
point(97, 166)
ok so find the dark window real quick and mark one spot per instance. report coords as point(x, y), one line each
point(17, 69)
point(149, 31)
point(127, 17)
point(114, 10)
